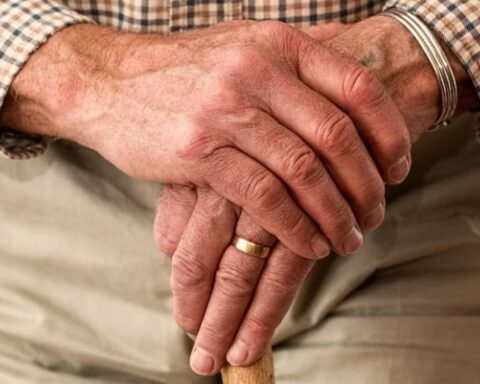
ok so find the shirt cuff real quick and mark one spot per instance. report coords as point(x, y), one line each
point(24, 26)
point(457, 22)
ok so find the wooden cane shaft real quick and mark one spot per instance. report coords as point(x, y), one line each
point(259, 373)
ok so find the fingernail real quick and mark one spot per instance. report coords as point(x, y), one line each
point(353, 242)
point(375, 218)
point(191, 336)
point(237, 354)
point(201, 361)
point(399, 171)
point(320, 246)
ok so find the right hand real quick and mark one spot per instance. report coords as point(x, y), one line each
point(260, 112)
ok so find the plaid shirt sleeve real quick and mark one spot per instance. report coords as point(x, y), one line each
point(456, 22)
point(24, 26)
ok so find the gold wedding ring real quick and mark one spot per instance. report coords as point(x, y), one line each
point(251, 248)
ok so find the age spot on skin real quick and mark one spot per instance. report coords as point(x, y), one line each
point(368, 60)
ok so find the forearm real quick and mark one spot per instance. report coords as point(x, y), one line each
point(53, 82)
point(55, 91)
point(63, 88)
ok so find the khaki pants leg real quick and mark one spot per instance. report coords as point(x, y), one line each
point(84, 294)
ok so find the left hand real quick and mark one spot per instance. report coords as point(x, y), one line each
point(233, 302)
point(219, 291)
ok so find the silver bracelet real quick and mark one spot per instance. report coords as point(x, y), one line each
point(436, 57)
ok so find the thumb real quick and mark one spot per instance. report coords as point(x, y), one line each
point(326, 31)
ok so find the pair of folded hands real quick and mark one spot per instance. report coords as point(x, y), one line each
point(257, 129)
point(326, 187)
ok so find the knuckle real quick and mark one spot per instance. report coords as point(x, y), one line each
point(249, 117)
point(284, 37)
point(223, 93)
point(188, 273)
point(242, 61)
point(337, 134)
point(234, 282)
point(362, 88)
point(197, 142)
point(264, 189)
point(275, 28)
point(301, 166)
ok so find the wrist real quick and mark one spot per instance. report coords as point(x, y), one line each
point(388, 49)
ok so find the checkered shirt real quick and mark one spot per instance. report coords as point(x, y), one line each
point(26, 24)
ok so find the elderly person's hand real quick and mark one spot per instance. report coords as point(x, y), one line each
point(298, 135)
point(234, 302)
point(214, 283)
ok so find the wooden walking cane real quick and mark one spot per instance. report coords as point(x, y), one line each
point(259, 373)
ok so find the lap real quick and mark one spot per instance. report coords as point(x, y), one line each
point(84, 294)
point(414, 323)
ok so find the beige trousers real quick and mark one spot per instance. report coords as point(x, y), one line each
point(84, 295)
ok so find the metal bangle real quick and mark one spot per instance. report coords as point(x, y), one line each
point(437, 58)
